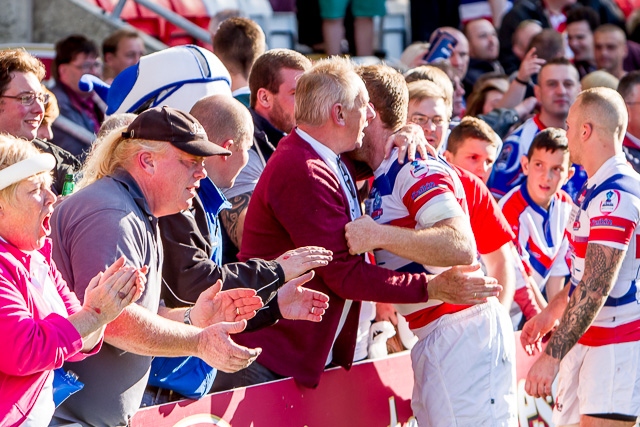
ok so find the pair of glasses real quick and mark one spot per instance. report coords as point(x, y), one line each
point(88, 66)
point(424, 120)
point(29, 98)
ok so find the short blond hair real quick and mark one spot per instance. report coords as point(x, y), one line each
point(331, 81)
point(12, 151)
point(115, 151)
point(604, 109)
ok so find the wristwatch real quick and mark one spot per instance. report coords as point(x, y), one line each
point(187, 316)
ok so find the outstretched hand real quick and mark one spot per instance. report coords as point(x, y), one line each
point(298, 303)
point(298, 261)
point(214, 306)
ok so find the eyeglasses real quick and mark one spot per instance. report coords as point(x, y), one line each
point(29, 98)
point(421, 120)
point(88, 66)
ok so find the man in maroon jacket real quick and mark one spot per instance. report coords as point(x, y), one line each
point(305, 196)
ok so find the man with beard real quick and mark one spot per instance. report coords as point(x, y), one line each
point(557, 88)
point(272, 83)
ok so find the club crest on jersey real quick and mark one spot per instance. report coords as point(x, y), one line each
point(418, 169)
point(611, 202)
point(503, 159)
point(373, 205)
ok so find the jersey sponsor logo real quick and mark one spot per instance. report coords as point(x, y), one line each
point(503, 159)
point(415, 195)
point(373, 205)
point(611, 202)
point(418, 169)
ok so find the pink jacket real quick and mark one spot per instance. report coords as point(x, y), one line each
point(36, 340)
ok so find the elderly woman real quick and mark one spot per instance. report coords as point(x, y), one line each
point(41, 321)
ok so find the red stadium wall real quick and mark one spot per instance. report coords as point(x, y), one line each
point(373, 394)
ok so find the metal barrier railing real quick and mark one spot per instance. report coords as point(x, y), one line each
point(177, 20)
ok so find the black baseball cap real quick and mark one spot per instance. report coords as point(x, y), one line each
point(176, 127)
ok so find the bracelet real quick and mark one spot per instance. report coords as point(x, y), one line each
point(521, 81)
point(187, 316)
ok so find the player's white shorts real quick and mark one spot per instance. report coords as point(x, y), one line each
point(464, 369)
point(598, 380)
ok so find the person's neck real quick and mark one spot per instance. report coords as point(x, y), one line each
point(618, 72)
point(238, 81)
point(325, 135)
point(599, 157)
point(550, 120)
point(554, 7)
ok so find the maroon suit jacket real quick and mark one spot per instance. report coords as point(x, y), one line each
point(297, 202)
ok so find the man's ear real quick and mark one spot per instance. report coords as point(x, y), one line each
point(524, 162)
point(572, 171)
point(146, 162)
point(448, 155)
point(338, 114)
point(586, 130)
point(263, 97)
point(227, 145)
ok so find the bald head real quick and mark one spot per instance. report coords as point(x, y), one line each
point(224, 118)
point(605, 110)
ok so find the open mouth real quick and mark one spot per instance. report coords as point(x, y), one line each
point(46, 224)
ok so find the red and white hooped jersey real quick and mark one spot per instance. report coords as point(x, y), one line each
point(608, 214)
point(415, 195)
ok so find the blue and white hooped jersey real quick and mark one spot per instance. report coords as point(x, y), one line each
point(608, 215)
point(414, 195)
point(507, 171)
point(540, 232)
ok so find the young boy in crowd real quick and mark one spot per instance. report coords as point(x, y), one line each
point(538, 210)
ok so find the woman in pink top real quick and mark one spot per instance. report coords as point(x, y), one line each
point(41, 322)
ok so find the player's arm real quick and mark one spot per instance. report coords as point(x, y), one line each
point(499, 264)
point(602, 264)
point(448, 242)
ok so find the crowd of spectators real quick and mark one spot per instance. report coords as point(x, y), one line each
point(267, 229)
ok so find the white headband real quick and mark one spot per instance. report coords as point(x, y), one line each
point(25, 168)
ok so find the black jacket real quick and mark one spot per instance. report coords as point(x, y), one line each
point(188, 270)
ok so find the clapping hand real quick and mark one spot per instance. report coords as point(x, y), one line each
point(109, 292)
point(214, 306)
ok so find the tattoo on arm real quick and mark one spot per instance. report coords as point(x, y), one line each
point(602, 264)
point(231, 218)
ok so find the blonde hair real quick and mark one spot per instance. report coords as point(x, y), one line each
point(605, 109)
point(12, 151)
point(331, 81)
point(113, 152)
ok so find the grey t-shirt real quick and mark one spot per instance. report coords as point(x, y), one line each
point(90, 230)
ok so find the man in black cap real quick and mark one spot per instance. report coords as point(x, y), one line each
point(152, 169)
